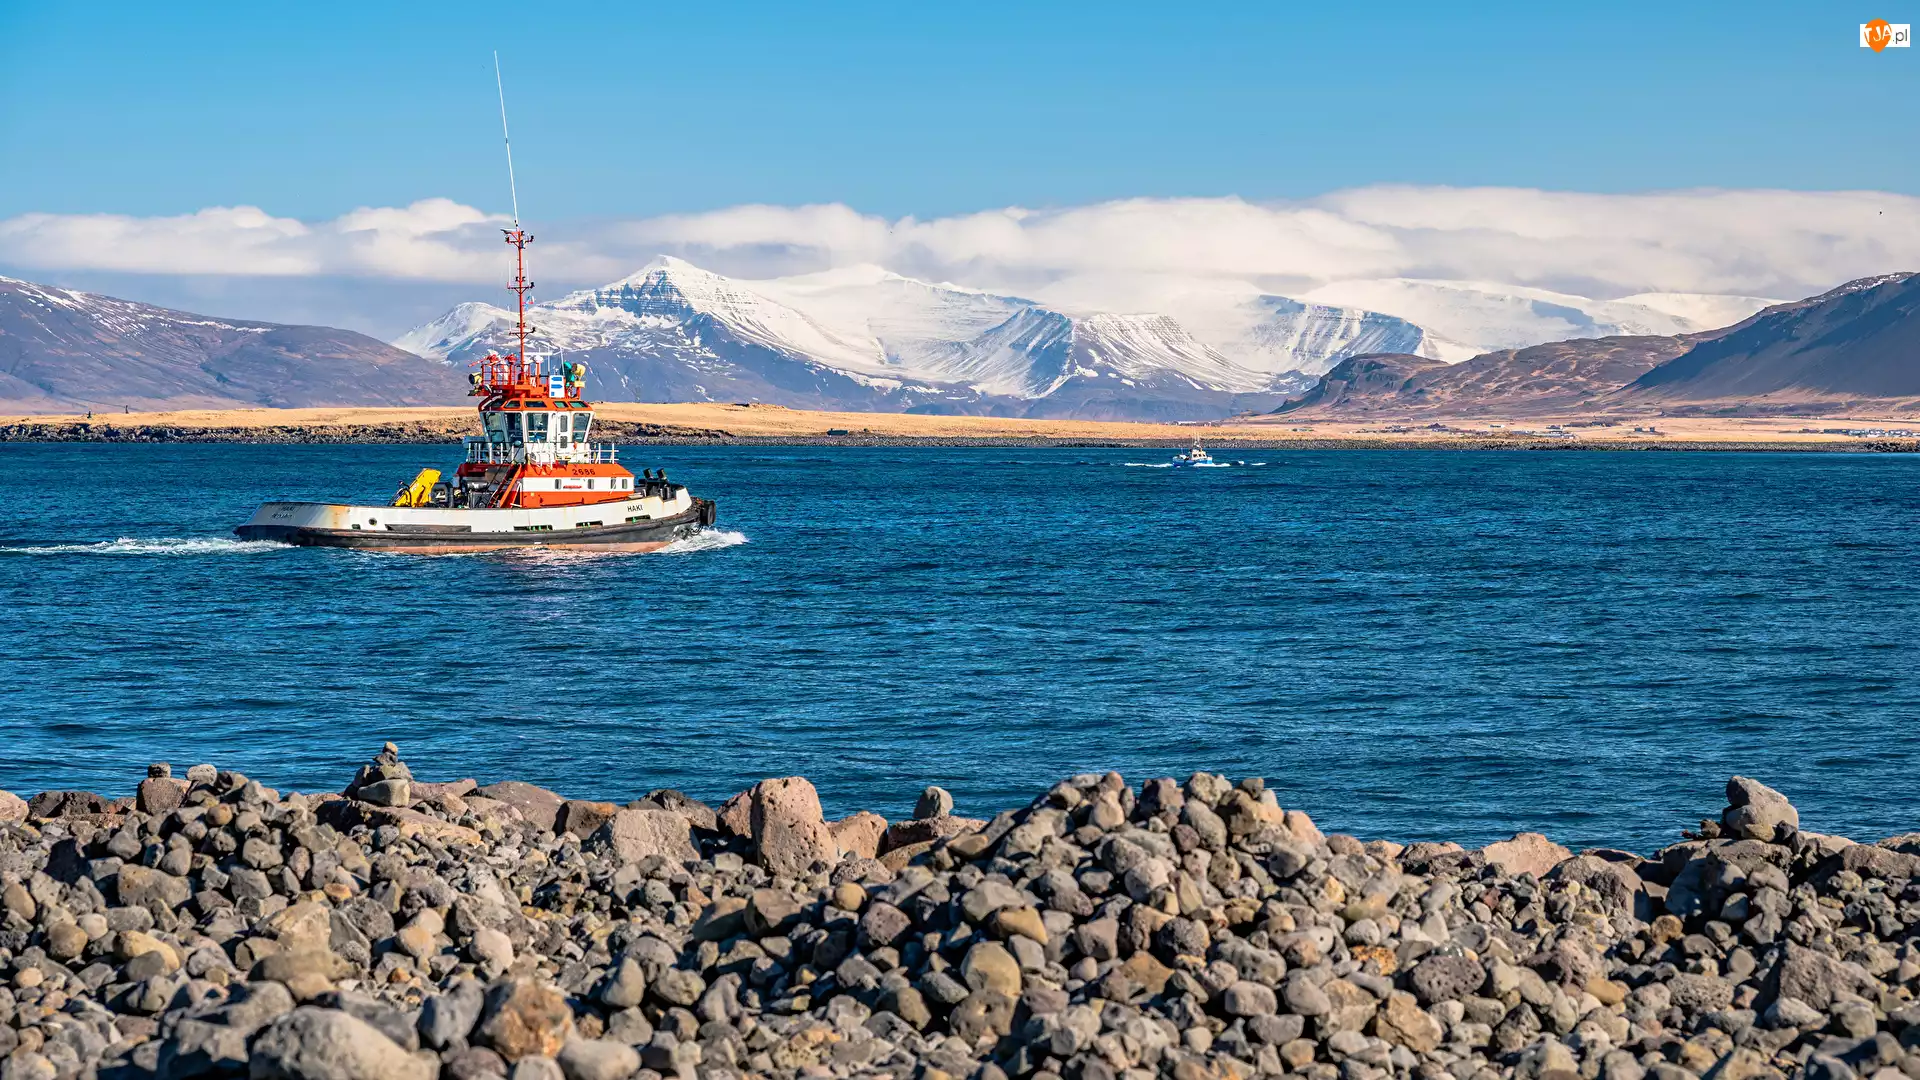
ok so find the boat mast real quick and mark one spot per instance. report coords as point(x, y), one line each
point(516, 235)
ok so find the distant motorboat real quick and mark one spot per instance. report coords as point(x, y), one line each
point(1195, 456)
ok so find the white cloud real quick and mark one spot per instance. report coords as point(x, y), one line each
point(1768, 243)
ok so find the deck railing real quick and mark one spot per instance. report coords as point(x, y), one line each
point(484, 452)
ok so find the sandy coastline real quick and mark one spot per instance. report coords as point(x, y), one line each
point(711, 422)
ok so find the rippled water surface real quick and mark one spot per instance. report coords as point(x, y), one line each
point(1406, 644)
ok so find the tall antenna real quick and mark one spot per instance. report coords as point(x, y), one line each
point(521, 366)
point(506, 138)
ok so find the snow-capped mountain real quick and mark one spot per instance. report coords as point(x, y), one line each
point(862, 338)
point(1251, 325)
point(1314, 337)
point(865, 337)
point(1484, 316)
point(1038, 351)
point(902, 316)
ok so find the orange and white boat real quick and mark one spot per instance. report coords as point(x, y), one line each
point(534, 478)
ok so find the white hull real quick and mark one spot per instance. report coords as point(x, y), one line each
point(640, 524)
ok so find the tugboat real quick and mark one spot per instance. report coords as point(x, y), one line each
point(1195, 456)
point(534, 479)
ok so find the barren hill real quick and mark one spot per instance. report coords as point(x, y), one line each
point(1857, 344)
point(1854, 346)
point(64, 350)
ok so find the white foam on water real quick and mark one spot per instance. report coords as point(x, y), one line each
point(158, 545)
point(704, 540)
point(1203, 465)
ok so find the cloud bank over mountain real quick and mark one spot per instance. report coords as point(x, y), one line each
point(1119, 254)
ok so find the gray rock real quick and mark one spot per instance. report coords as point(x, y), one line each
point(474, 1063)
point(28, 1065)
point(325, 1044)
point(1816, 978)
point(1303, 998)
point(934, 802)
point(1700, 993)
point(883, 924)
point(491, 949)
point(449, 1017)
point(1250, 999)
point(598, 1059)
point(1445, 978)
point(634, 835)
point(1756, 811)
point(1276, 1030)
point(536, 1067)
point(678, 986)
point(535, 804)
point(625, 985)
point(1791, 1012)
point(391, 792)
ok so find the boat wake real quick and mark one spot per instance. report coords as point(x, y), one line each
point(161, 545)
point(1202, 465)
point(704, 540)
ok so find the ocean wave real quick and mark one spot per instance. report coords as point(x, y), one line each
point(704, 540)
point(158, 545)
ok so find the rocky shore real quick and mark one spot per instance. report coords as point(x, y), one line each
point(208, 926)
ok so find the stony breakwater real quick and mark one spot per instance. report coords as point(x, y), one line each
point(208, 926)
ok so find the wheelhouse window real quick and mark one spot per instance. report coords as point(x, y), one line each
point(536, 427)
point(513, 427)
point(580, 424)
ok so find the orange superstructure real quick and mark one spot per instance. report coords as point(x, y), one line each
point(537, 449)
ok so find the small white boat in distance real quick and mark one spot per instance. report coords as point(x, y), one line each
point(1195, 456)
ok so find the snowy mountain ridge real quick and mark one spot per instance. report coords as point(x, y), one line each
point(866, 337)
point(861, 337)
point(1486, 316)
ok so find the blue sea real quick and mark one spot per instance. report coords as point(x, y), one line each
point(1405, 644)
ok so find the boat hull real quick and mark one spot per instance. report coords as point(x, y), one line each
point(311, 525)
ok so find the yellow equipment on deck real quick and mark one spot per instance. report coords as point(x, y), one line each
point(420, 492)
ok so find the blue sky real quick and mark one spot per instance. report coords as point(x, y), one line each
point(896, 109)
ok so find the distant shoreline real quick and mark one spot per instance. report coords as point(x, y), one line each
point(764, 425)
point(305, 436)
